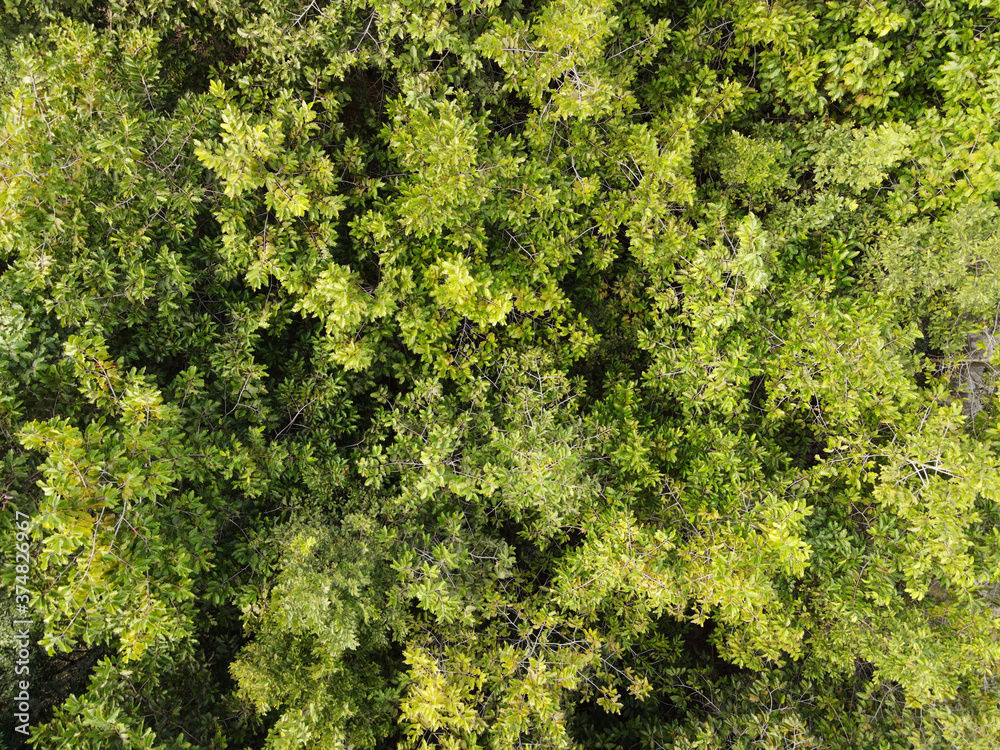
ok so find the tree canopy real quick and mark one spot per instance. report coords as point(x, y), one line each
point(503, 374)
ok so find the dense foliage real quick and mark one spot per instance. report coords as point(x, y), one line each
point(499, 374)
